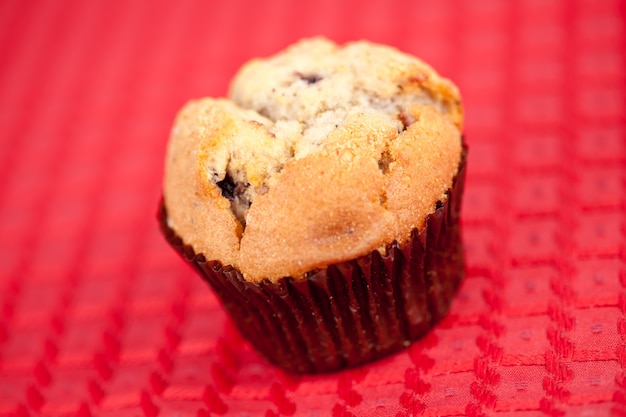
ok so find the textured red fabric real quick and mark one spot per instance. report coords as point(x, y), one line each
point(99, 317)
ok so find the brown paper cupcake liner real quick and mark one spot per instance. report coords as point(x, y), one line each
point(351, 312)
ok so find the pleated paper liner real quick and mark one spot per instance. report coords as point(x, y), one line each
point(352, 312)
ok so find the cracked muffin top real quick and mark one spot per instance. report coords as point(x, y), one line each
point(320, 154)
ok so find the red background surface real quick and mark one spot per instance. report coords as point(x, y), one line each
point(99, 317)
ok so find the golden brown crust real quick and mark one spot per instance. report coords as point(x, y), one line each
point(253, 183)
point(427, 156)
point(197, 209)
point(325, 208)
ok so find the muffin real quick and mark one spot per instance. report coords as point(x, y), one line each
point(320, 200)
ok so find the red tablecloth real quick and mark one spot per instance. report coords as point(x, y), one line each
point(99, 317)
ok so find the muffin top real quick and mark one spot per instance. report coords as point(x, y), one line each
point(320, 154)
